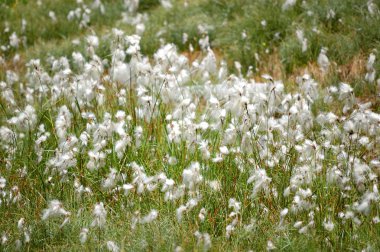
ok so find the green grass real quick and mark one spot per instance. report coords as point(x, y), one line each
point(350, 33)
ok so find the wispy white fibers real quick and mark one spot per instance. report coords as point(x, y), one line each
point(371, 71)
point(83, 235)
point(112, 246)
point(55, 210)
point(323, 60)
point(63, 122)
point(288, 4)
point(99, 214)
point(151, 216)
point(160, 142)
point(192, 176)
point(302, 40)
point(260, 180)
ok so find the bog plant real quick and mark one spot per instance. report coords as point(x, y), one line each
point(127, 151)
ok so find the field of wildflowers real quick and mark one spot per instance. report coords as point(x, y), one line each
point(219, 125)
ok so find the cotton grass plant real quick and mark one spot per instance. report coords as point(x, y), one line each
point(128, 151)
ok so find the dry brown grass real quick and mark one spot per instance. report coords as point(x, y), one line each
point(271, 64)
point(347, 73)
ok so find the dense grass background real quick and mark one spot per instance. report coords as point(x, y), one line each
point(351, 35)
point(351, 31)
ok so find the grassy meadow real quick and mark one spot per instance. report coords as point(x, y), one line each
point(189, 125)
